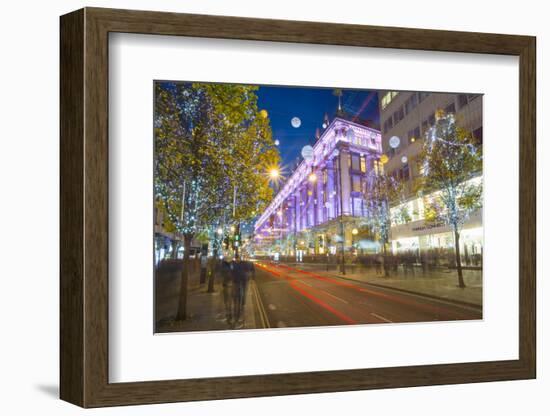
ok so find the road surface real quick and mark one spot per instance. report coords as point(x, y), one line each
point(290, 297)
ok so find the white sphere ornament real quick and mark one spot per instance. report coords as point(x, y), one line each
point(307, 153)
point(394, 142)
point(296, 122)
point(277, 142)
point(404, 159)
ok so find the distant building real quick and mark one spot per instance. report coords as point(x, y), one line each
point(323, 194)
point(408, 116)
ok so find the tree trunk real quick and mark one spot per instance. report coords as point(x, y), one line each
point(212, 271)
point(457, 257)
point(175, 246)
point(204, 265)
point(182, 304)
point(386, 268)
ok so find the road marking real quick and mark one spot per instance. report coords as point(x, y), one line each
point(324, 291)
point(319, 302)
point(260, 305)
point(336, 297)
point(405, 298)
point(381, 318)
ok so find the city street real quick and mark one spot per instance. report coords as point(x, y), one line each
point(290, 297)
point(345, 199)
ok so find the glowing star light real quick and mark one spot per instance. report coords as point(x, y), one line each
point(274, 173)
point(384, 159)
point(296, 122)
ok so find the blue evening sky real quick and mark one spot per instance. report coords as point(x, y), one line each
point(310, 106)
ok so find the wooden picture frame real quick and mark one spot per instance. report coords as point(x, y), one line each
point(84, 207)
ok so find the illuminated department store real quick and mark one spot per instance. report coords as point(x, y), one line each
point(323, 200)
point(323, 194)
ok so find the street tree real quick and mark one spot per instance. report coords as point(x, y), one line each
point(451, 164)
point(381, 192)
point(209, 140)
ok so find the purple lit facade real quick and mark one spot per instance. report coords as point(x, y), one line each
point(323, 195)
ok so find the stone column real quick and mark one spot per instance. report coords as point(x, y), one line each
point(298, 210)
point(345, 181)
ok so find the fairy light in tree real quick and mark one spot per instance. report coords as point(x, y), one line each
point(451, 162)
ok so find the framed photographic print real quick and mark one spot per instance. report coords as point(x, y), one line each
point(259, 207)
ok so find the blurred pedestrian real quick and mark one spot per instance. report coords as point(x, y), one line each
point(227, 284)
point(241, 272)
point(379, 264)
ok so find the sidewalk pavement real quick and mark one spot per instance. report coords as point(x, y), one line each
point(439, 284)
point(205, 311)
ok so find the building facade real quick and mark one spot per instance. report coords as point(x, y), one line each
point(407, 116)
point(318, 206)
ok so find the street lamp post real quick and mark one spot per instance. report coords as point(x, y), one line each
point(354, 232)
point(280, 215)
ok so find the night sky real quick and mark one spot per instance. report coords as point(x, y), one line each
point(310, 105)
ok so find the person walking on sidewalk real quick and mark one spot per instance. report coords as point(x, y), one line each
point(227, 284)
point(379, 264)
point(241, 272)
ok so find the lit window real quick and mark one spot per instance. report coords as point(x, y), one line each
point(387, 98)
